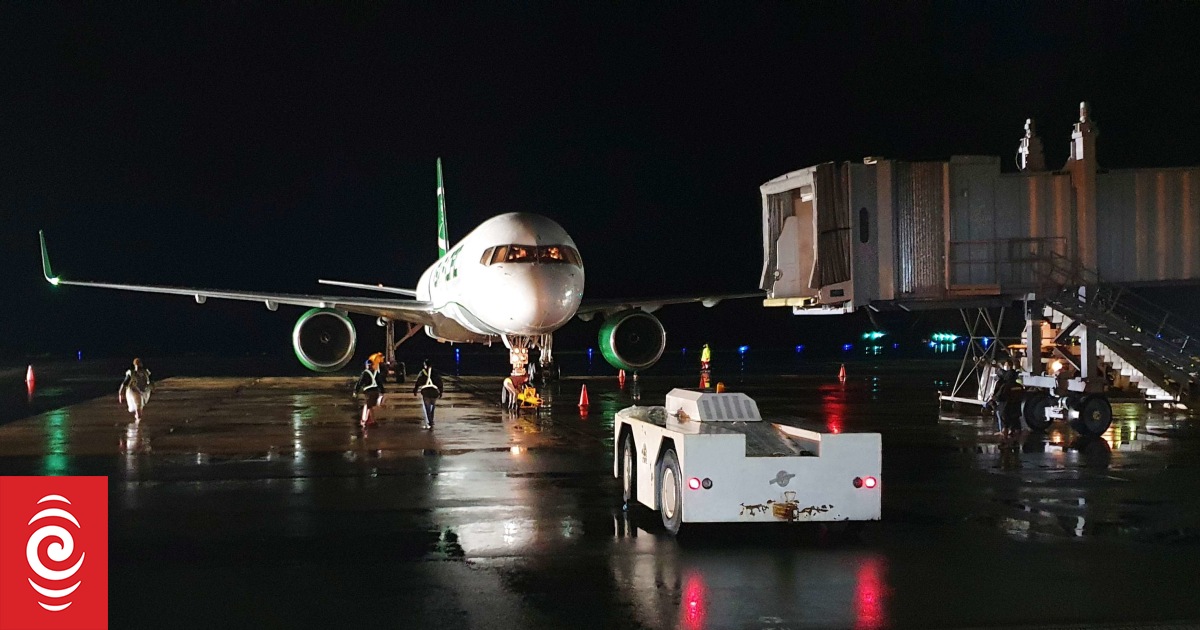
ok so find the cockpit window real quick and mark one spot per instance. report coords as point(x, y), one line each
point(545, 254)
point(558, 254)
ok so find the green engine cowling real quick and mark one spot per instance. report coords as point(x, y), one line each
point(632, 340)
point(324, 339)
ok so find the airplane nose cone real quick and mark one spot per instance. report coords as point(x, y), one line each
point(543, 300)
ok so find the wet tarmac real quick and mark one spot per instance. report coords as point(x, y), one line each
point(258, 502)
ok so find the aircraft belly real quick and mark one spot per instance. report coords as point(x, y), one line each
point(456, 323)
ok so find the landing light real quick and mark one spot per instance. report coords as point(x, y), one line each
point(694, 483)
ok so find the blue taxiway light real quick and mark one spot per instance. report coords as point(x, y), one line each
point(743, 349)
point(800, 348)
point(847, 346)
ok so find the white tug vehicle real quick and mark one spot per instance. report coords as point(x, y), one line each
point(710, 458)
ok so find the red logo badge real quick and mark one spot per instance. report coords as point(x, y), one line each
point(53, 553)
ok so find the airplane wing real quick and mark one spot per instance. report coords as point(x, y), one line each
point(413, 311)
point(590, 308)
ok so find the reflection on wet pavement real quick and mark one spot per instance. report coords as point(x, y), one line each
point(264, 494)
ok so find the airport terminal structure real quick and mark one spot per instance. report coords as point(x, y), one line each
point(1063, 245)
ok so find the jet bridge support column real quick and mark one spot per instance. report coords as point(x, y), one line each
point(978, 359)
point(1088, 363)
point(1032, 334)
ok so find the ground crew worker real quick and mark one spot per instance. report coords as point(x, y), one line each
point(428, 385)
point(508, 395)
point(705, 357)
point(135, 389)
point(370, 386)
point(376, 360)
point(1005, 402)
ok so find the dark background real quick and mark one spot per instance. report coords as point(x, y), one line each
point(260, 147)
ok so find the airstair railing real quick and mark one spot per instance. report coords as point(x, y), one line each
point(1011, 264)
point(1166, 338)
point(1141, 314)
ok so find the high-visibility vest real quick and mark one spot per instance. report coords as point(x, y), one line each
point(428, 374)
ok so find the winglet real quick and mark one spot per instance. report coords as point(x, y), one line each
point(50, 277)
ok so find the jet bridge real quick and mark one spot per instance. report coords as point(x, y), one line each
point(1063, 245)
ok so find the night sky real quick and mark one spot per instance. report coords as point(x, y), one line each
point(230, 146)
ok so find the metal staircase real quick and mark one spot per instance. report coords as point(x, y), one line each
point(1142, 342)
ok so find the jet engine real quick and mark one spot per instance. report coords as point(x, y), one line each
point(632, 340)
point(324, 339)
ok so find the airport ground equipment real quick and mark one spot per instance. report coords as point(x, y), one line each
point(1062, 246)
point(711, 458)
point(529, 398)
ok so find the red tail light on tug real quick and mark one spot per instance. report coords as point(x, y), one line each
point(865, 482)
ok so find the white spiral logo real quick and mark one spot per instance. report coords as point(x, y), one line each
point(58, 551)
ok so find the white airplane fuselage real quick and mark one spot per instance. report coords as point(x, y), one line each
point(531, 287)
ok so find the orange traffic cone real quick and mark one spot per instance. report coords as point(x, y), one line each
point(842, 373)
point(720, 387)
point(583, 398)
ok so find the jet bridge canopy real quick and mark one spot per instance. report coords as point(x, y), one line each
point(894, 233)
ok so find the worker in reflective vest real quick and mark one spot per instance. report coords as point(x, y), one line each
point(370, 387)
point(428, 386)
point(705, 357)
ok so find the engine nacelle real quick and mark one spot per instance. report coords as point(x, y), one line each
point(632, 340)
point(324, 339)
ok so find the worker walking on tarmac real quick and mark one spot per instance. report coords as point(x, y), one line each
point(705, 357)
point(428, 386)
point(1006, 397)
point(370, 387)
point(135, 389)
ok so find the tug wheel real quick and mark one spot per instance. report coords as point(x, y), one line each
point(628, 472)
point(670, 491)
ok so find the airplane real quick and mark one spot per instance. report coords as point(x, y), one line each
point(515, 279)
